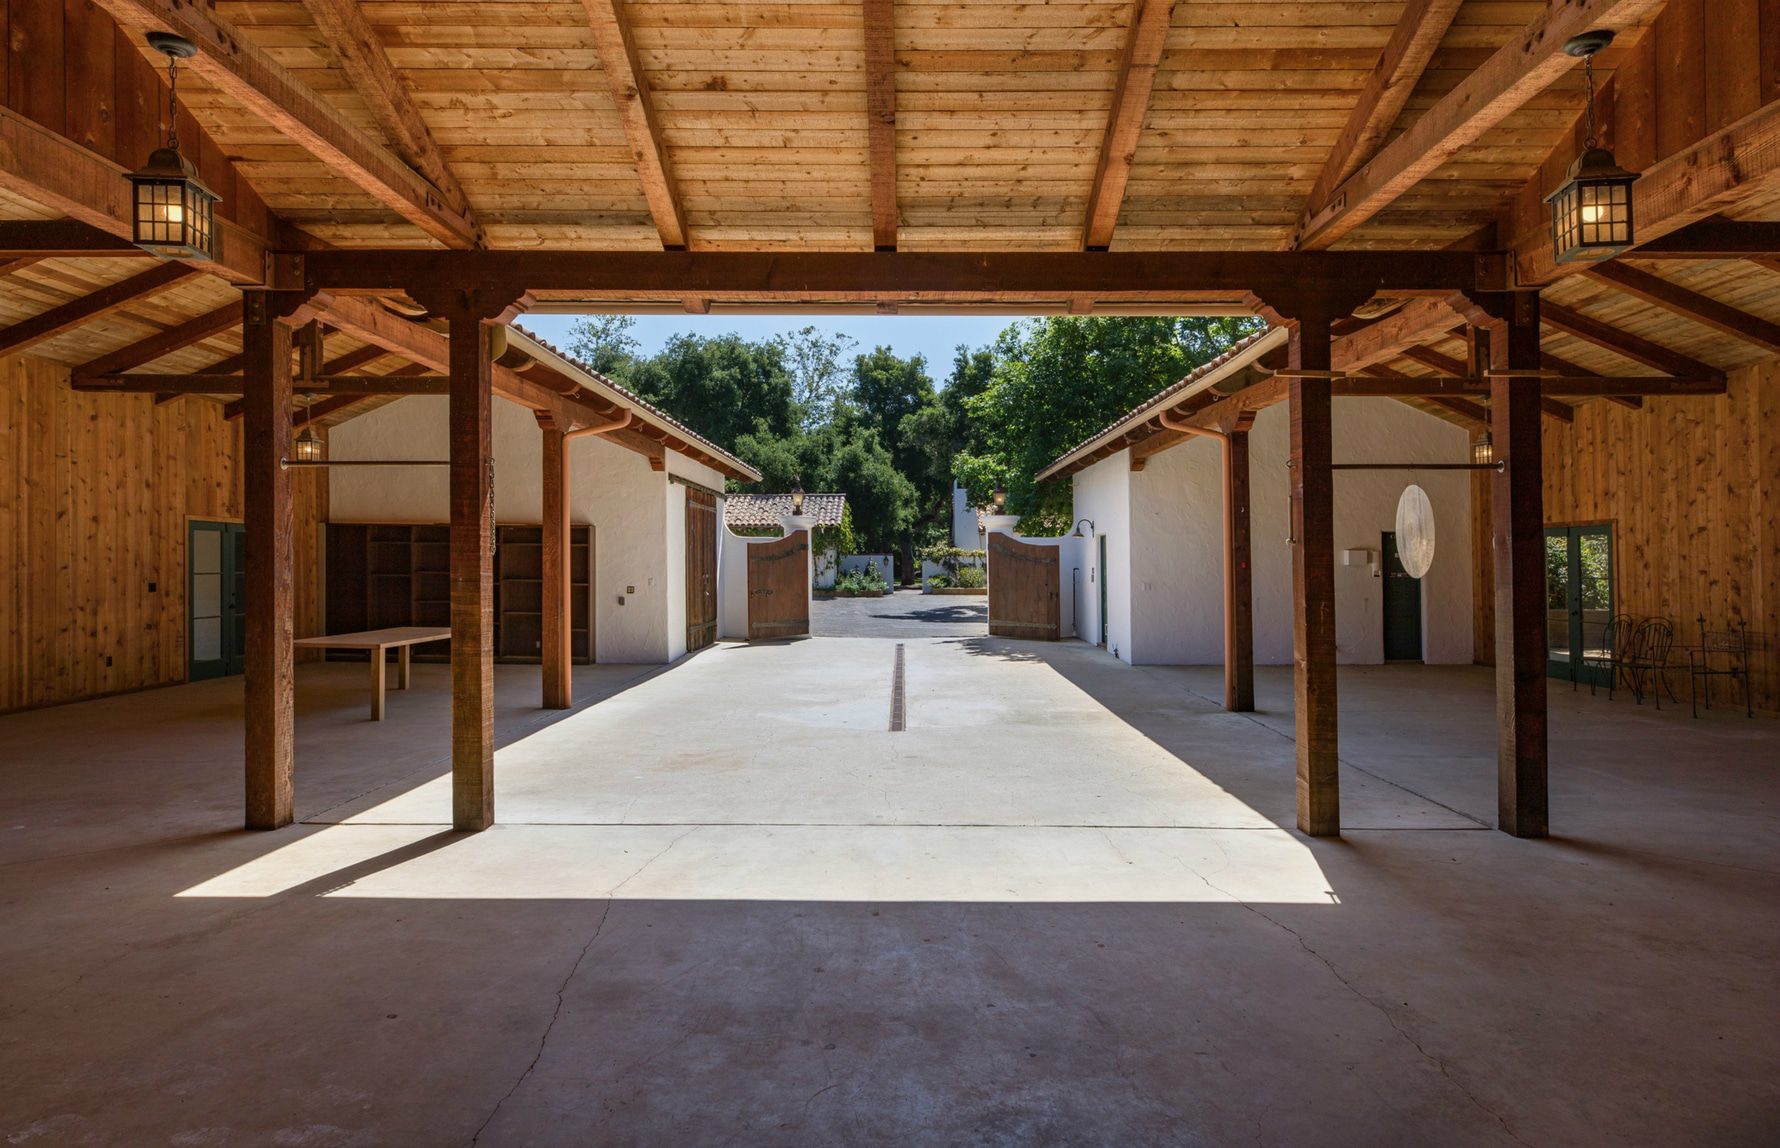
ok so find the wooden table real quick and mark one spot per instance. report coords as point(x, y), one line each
point(399, 638)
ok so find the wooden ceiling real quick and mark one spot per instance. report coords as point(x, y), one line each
point(854, 125)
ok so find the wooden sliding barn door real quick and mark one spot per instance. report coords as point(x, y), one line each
point(701, 569)
point(1023, 581)
point(779, 587)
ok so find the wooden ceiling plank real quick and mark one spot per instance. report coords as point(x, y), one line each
point(1624, 343)
point(250, 76)
point(58, 320)
point(1418, 32)
point(1150, 20)
point(880, 110)
point(623, 70)
point(1522, 68)
point(163, 342)
point(362, 57)
point(8, 266)
point(1678, 300)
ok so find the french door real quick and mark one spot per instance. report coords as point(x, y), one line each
point(1578, 601)
point(215, 593)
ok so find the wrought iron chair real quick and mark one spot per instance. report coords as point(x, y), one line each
point(1720, 654)
point(1651, 643)
point(1616, 637)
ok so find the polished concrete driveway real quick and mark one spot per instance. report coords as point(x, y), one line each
point(726, 906)
point(904, 614)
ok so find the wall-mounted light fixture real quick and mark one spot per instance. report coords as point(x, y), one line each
point(797, 497)
point(174, 213)
point(1077, 533)
point(1000, 498)
point(1591, 211)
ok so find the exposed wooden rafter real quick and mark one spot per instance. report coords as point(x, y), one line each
point(57, 320)
point(355, 44)
point(1418, 32)
point(636, 111)
point(1148, 34)
point(1625, 343)
point(1715, 237)
point(1521, 69)
point(164, 342)
point(250, 76)
point(880, 110)
point(1678, 300)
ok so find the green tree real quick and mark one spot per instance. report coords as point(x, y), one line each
point(605, 343)
point(723, 387)
point(1056, 382)
point(818, 377)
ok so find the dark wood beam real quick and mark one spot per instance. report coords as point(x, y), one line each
point(472, 575)
point(1313, 580)
point(1766, 262)
point(1625, 344)
point(355, 44)
point(1678, 300)
point(271, 600)
point(623, 69)
point(1418, 33)
point(248, 75)
point(1148, 34)
point(1384, 339)
point(557, 648)
point(907, 276)
point(1239, 575)
point(63, 176)
point(162, 343)
point(1713, 237)
point(394, 383)
point(1529, 63)
point(59, 320)
point(880, 111)
point(63, 239)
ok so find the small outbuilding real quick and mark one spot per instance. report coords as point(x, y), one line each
point(1149, 500)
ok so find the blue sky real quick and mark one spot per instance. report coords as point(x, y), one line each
point(933, 336)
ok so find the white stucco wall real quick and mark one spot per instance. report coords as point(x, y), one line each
point(964, 521)
point(1171, 577)
point(732, 582)
point(637, 515)
point(1103, 494)
point(1071, 556)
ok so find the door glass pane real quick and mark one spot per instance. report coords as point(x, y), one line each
point(1557, 597)
point(206, 595)
point(206, 552)
point(1594, 579)
point(206, 639)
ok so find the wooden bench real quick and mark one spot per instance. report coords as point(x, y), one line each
point(399, 638)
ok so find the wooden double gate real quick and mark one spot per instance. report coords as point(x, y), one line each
point(779, 587)
point(701, 569)
point(1023, 582)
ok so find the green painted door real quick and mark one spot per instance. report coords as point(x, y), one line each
point(1100, 572)
point(1402, 606)
point(215, 595)
point(1578, 600)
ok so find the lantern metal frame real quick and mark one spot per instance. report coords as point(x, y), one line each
point(1591, 211)
point(308, 446)
point(172, 210)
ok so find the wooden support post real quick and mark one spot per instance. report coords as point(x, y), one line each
point(1239, 598)
point(270, 605)
point(1313, 580)
point(558, 688)
point(472, 574)
point(1517, 518)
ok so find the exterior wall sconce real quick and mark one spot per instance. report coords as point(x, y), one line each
point(309, 447)
point(797, 497)
point(1000, 498)
point(173, 213)
point(1483, 450)
point(1591, 211)
point(1077, 533)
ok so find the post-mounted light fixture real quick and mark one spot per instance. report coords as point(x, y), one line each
point(1591, 211)
point(173, 213)
point(309, 447)
point(797, 497)
point(1000, 499)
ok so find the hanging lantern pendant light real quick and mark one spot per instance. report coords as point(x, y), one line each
point(309, 447)
point(174, 213)
point(1591, 212)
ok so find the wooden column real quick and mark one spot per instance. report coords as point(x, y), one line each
point(558, 689)
point(1239, 597)
point(1313, 579)
point(472, 574)
point(1517, 513)
point(270, 605)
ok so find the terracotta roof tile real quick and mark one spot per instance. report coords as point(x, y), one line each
point(745, 511)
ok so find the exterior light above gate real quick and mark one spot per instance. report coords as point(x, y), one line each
point(1077, 533)
point(1591, 211)
point(173, 213)
point(1483, 450)
point(309, 447)
point(797, 497)
point(1000, 498)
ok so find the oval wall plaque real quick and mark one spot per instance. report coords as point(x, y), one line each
point(1415, 531)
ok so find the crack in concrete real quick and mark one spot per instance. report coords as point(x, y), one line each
point(1390, 1018)
point(562, 989)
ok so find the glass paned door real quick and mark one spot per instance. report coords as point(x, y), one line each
point(1578, 601)
point(216, 634)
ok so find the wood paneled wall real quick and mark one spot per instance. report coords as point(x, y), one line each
point(95, 494)
point(1692, 490)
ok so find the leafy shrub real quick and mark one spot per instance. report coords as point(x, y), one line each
point(938, 582)
point(974, 577)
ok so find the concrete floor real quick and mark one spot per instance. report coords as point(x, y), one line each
point(903, 614)
point(724, 905)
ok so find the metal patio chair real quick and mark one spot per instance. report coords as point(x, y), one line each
point(1616, 636)
point(1649, 655)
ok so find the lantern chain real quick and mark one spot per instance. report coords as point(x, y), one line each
point(1588, 69)
point(173, 101)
